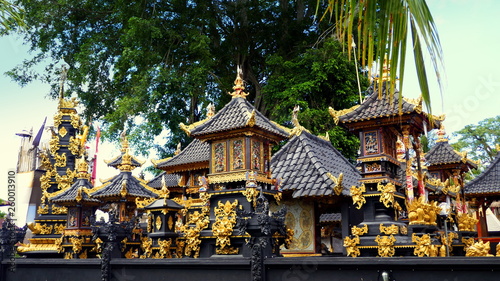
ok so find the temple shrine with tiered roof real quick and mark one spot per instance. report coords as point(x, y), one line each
point(225, 199)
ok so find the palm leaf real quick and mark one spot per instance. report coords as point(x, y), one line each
point(382, 31)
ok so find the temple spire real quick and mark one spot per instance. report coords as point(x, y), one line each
point(239, 85)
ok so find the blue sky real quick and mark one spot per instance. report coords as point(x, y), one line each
point(469, 36)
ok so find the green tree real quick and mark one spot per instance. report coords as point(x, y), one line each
point(315, 80)
point(155, 64)
point(480, 140)
point(382, 27)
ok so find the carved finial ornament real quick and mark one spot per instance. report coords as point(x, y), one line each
point(239, 86)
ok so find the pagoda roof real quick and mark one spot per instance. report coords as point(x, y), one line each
point(306, 164)
point(170, 180)
point(78, 192)
point(380, 105)
point(123, 185)
point(164, 203)
point(196, 152)
point(443, 153)
point(488, 182)
point(237, 114)
point(332, 217)
point(117, 161)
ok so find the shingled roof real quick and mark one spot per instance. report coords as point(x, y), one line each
point(238, 113)
point(487, 183)
point(76, 193)
point(171, 180)
point(443, 153)
point(376, 106)
point(123, 185)
point(196, 152)
point(304, 163)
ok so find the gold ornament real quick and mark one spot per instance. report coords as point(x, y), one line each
point(225, 219)
point(387, 196)
point(158, 223)
point(359, 231)
point(337, 183)
point(385, 245)
point(357, 196)
point(392, 229)
point(351, 245)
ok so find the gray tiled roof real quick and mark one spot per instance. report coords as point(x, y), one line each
point(303, 164)
point(443, 153)
point(171, 180)
point(488, 182)
point(197, 151)
point(162, 203)
point(113, 187)
point(373, 107)
point(235, 115)
point(118, 160)
point(333, 217)
point(69, 194)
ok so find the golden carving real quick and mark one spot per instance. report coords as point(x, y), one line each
point(60, 160)
point(466, 222)
point(251, 118)
point(359, 231)
point(132, 253)
point(289, 237)
point(420, 212)
point(144, 202)
point(351, 245)
point(59, 228)
point(227, 251)
point(63, 132)
point(389, 230)
point(357, 195)
point(192, 234)
point(65, 180)
point(74, 146)
point(277, 196)
point(43, 209)
point(83, 255)
point(158, 222)
point(236, 176)
point(58, 119)
point(76, 244)
point(54, 144)
point(98, 245)
point(387, 197)
point(42, 229)
point(478, 249)
point(68, 256)
point(165, 248)
point(251, 194)
point(56, 210)
point(64, 103)
point(170, 223)
point(385, 245)
point(58, 244)
point(225, 219)
point(179, 249)
point(337, 113)
point(239, 86)
point(75, 120)
point(150, 223)
point(416, 102)
point(337, 183)
point(424, 245)
point(146, 245)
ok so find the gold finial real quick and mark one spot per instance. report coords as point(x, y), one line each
point(441, 134)
point(178, 150)
point(82, 169)
point(210, 110)
point(124, 141)
point(295, 119)
point(239, 86)
point(164, 192)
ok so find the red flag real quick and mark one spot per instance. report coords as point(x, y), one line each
point(94, 164)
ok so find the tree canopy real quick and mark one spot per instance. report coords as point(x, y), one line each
point(155, 64)
point(480, 140)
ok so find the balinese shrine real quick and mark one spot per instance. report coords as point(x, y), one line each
point(226, 207)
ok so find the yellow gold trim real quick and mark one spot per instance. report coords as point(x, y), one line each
point(337, 113)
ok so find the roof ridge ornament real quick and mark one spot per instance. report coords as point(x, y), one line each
point(441, 133)
point(239, 85)
point(297, 128)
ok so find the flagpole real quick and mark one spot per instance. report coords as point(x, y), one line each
point(94, 165)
